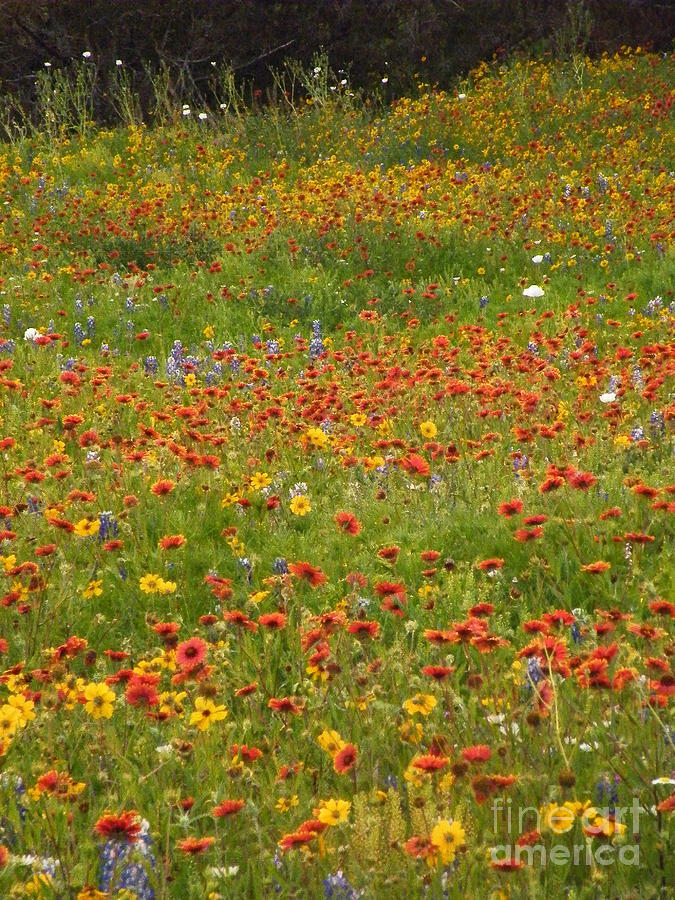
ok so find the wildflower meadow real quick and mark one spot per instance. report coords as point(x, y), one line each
point(337, 493)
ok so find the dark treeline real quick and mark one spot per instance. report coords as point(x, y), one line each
point(370, 39)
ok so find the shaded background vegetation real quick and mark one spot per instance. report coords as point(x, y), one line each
point(370, 39)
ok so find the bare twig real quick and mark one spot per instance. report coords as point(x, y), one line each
point(264, 55)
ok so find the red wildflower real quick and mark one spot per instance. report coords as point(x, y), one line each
point(419, 846)
point(507, 865)
point(478, 753)
point(273, 621)
point(116, 655)
point(45, 550)
point(438, 672)
point(430, 556)
point(316, 826)
point(228, 808)
point(247, 689)
point(667, 805)
point(394, 605)
point(141, 693)
point(237, 617)
point(430, 763)
point(636, 537)
point(125, 827)
point(647, 632)
point(527, 534)
point(220, 587)
point(389, 553)
point(194, 846)
point(192, 653)
point(63, 524)
point(613, 615)
point(162, 487)
point(622, 677)
point(415, 464)
point(535, 520)
point(645, 491)
point(330, 621)
point(490, 565)
point(165, 629)
point(312, 574)
point(485, 786)
point(486, 643)
point(582, 480)
point(481, 610)
point(309, 638)
point(596, 568)
point(87, 438)
point(284, 704)
point(356, 580)
point(439, 637)
point(288, 841)
point(559, 617)
point(347, 522)
point(109, 546)
point(528, 839)
point(122, 676)
point(593, 674)
point(510, 508)
point(246, 752)
point(172, 541)
point(662, 608)
point(345, 759)
point(551, 484)
point(364, 629)
point(286, 772)
point(465, 632)
point(658, 665)
point(390, 588)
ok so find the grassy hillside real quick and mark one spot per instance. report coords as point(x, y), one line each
point(337, 494)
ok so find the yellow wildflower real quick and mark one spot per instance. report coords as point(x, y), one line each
point(93, 589)
point(330, 741)
point(150, 584)
point(317, 438)
point(259, 480)
point(100, 700)
point(86, 527)
point(206, 712)
point(24, 706)
point(300, 505)
point(10, 721)
point(411, 732)
point(428, 430)
point(447, 837)
point(420, 703)
point(332, 812)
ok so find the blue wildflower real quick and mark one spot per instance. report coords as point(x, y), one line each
point(337, 887)
point(127, 866)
